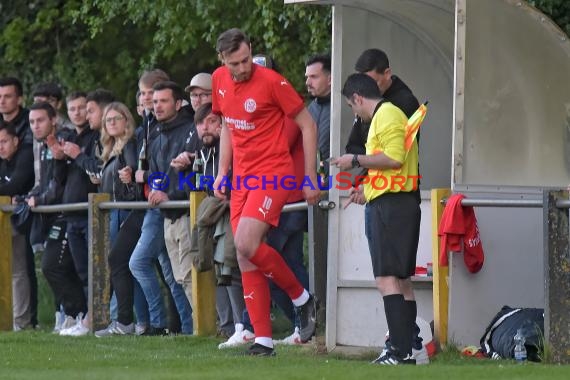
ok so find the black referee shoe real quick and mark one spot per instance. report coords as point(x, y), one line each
point(308, 317)
point(257, 349)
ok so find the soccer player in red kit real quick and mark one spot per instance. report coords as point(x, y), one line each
point(254, 103)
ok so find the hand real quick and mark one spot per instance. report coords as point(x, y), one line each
point(182, 161)
point(356, 196)
point(156, 197)
point(343, 162)
point(32, 202)
point(71, 150)
point(219, 191)
point(312, 196)
point(126, 174)
point(56, 147)
point(139, 176)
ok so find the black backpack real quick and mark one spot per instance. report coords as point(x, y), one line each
point(498, 340)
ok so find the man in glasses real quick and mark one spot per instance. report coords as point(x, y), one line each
point(200, 92)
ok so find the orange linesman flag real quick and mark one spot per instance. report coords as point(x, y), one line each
point(413, 126)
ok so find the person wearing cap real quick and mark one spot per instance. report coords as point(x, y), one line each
point(200, 92)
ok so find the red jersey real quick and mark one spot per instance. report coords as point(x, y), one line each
point(255, 112)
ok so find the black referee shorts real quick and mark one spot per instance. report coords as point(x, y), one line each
point(392, 224)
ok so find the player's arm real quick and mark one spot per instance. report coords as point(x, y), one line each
point(225, 161)
point(309, 131)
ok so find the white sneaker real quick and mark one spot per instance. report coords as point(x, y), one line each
point(59, 318)
point(241, 336)
point(421, 356)
point(292, 339)
point(78, 329)
point(140, 329)
point(68, 322)
point(116, 328)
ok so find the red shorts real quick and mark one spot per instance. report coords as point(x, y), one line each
point(262, 204)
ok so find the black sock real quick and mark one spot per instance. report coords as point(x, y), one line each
point(412, 309)
point(398, 324)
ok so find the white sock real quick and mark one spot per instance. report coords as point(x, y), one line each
point(302, 299)
point(264, 341)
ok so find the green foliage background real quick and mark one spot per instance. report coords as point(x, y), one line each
point(108, 43)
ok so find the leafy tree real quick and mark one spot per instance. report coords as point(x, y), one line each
point(107, 43)
point(557, 10)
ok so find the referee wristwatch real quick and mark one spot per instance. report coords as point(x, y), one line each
point(355, 162)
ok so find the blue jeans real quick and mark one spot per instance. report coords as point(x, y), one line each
point(117, 217)
point(142, 265)
point(178, 294)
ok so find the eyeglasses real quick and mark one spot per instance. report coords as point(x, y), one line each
point(202, 96)
point(114, 119)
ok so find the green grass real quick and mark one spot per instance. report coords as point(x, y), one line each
point(41, 355)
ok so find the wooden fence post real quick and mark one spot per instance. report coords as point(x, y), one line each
point(556, 278)
point(203, 285)
point(99, 275)
point(6, 322)
point(440, 274)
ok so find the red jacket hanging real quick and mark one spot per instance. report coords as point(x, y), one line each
point(458, 231)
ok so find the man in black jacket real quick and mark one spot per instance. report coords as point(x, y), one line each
point(77, 188)
point(174, 128)
point(16, 178)
point(87, 157)
point(50, 229)
point(13, 114)
point(375, 64)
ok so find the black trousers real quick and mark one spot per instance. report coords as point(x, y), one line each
point(121, 277)
point(59, 271)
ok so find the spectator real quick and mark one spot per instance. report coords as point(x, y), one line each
point(77, 189)
point(13, 114)
point(16, 178)
point(175, 127)
point(49, 229)
point(51, 92)
point(318, 74)
point(151, 246)
point(230, 304)
point(119, 152)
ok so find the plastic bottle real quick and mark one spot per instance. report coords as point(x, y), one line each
point(520, 349)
